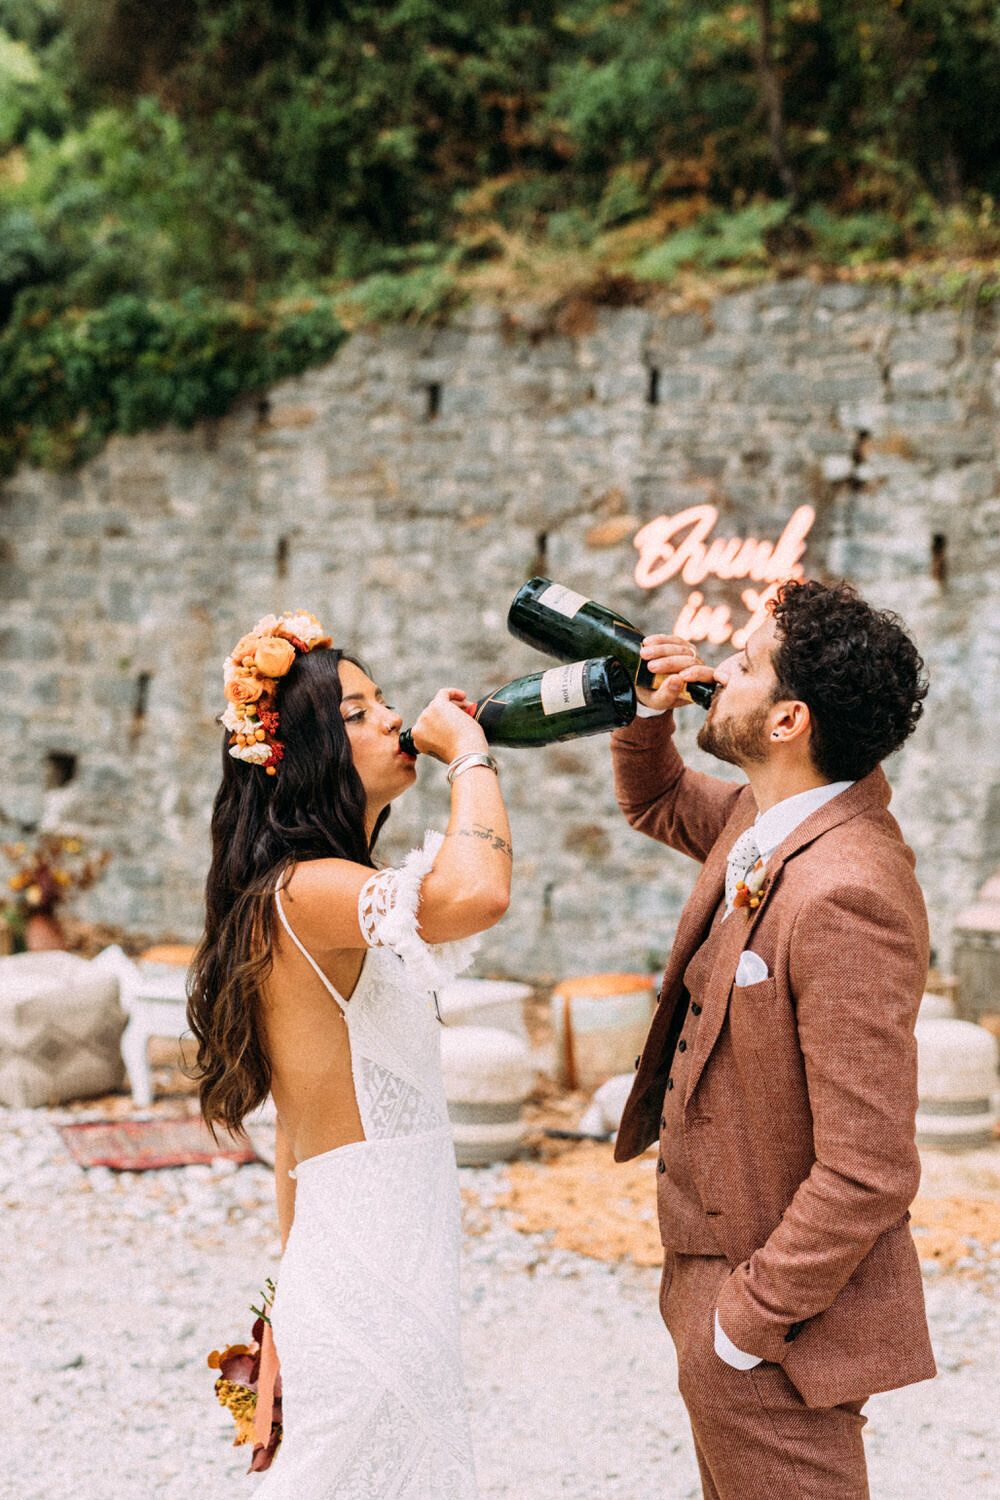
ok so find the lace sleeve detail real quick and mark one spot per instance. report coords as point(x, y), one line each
point(387, 914)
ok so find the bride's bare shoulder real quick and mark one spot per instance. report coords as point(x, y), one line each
point(319, 899)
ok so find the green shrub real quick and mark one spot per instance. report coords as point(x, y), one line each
point(69, 378)
point(714, 240)
point(418, 296)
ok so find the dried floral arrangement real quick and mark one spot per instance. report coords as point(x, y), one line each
point(46, 871)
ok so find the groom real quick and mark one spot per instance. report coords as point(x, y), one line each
point(780, 1073)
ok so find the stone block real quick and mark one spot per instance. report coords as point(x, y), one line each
point(286, 414)
point(725, 354)
point(35, 642)
point(626, 385)
point(918, 380)
point(793, 293)
point(931, 411)
point(143, 494)
point(464, 400)
point(676, 386)
point(923, 348)
point(44, 689)
point(121, 602)
point(856, 386)
point(736, 314)
point(837, 467)
point(77, 585)
point(874, 417)
point(778, 388)
point(842, 296)
point(779, 320)
point(82, 523)
point(828, 440)
point(680, 330)
point(15, 582)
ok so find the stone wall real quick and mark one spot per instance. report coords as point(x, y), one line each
point(403, 493)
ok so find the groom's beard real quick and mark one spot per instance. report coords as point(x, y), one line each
point(740, 742)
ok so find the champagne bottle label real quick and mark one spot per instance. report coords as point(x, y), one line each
point(563, 688)
point(562, 601)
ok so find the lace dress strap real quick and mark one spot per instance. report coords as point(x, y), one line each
point(306, 954)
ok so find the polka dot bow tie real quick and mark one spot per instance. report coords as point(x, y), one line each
point(742, 857)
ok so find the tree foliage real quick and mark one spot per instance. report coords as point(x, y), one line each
point(241, 153)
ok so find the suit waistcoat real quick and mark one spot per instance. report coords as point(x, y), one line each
point(684, 1224)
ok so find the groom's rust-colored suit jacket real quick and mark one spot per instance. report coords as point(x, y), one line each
point(802, 1090)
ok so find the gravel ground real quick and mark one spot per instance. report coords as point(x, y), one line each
point(118, 1285)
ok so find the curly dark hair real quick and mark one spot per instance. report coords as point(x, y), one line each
point(855, 668)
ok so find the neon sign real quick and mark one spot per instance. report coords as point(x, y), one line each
point(679, 544)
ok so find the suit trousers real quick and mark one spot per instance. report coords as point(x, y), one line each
point(754, 1436)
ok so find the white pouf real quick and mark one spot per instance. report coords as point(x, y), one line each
point(603, 1114)
point(61, 1025)
point(935, 1008)
point(485, 1002)
point(487, 1077)
point(956, 1083)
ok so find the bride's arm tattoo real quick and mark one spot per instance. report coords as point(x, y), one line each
point(487, 834)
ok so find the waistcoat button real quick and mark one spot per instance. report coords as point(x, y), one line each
point(695, 1009)
point(661, 1166)
point(682, 1045)
point(670, 1084)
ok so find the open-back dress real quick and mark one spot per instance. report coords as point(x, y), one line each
point(366, 1317)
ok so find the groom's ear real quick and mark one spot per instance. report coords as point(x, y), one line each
point(790, 722)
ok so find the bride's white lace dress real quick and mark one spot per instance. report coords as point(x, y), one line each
point(366, 1317)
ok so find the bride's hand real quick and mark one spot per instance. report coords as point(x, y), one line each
point(445, 729)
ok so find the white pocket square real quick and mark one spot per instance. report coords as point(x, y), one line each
point(751, 969)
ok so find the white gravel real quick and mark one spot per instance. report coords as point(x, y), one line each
point(117, 1286)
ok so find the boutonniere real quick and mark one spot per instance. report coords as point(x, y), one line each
point(750, 892)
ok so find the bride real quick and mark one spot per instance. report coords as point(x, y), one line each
point(314, 982)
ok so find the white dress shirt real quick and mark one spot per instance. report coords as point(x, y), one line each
point(771, 829)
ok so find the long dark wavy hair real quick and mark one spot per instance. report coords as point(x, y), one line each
point(262, 826)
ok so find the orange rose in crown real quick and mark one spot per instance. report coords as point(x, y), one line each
point(245, 649)
point(750, 892)
point(243, 689)
point(274, 656)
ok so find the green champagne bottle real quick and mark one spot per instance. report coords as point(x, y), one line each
point(562, 623)
point(564, 703)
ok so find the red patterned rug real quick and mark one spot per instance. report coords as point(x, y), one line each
point(142, 1145)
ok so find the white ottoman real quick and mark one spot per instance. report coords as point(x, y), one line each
point(485, 1002)
point(936, 1008)
point(60, 1030)
point(487, 1077)
point(956, 1083)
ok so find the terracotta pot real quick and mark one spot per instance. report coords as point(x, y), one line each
point(43, 933)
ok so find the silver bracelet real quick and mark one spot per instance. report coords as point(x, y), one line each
point(472, 758)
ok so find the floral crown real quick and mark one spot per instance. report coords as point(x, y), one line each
point(251, 672)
